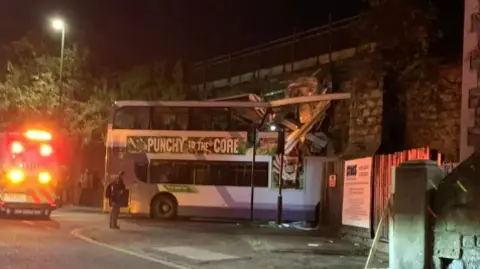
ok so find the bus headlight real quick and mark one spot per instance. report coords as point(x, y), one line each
point(44, 177)
point(16, 176)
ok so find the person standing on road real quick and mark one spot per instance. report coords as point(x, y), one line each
point(114, 193)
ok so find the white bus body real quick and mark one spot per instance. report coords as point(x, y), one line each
point(207, 173)
point(216, 201)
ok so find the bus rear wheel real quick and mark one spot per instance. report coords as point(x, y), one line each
point(164, 207)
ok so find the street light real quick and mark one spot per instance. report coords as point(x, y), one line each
point(59, 25)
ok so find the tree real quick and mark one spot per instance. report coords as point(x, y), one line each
point(402, 31)
point(152, 82)
point(89, 118)
point(136, 83)
point(176, 89)
point(30, 90)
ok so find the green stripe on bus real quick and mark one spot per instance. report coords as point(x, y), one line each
point(179, 188)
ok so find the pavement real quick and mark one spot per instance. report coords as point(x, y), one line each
point(80, 238)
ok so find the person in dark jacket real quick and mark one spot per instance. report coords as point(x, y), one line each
point(114, 193)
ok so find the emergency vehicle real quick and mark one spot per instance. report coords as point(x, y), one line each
point(29, 173)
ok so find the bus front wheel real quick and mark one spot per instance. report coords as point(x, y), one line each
point(164, 207)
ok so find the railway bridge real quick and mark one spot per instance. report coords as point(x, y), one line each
point(425, 115)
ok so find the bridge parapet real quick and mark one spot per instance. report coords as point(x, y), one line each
point(284, 55)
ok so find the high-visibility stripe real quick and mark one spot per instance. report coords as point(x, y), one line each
point(47, 195)
point(33, 195)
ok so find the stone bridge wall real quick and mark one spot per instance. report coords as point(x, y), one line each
point(433, 113)
point(432, 110)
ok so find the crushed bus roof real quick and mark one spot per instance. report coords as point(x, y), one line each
point(239, 104)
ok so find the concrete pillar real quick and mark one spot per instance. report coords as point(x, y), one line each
point(412, 248)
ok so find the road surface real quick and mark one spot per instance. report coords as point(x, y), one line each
point(82, 240)
point(29, 243)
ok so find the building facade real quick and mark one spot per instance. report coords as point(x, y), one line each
point(470, 107)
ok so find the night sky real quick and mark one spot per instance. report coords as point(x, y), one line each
point(131, 31)
point(125, 32)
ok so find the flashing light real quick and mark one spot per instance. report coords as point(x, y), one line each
point(38, 135)
point(44, 177)
point(273, 127)
point(17, 147)
point(16, 176)
point(46, 150)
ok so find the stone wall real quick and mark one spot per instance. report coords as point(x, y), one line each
point(339, 114)
point(457, 218)
point(355, 126)
point(433, 113)
point(356, 123)
point(366, 117)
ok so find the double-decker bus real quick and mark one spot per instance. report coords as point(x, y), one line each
point(194, 158)
point(29, 172)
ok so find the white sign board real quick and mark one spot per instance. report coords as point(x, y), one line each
point(357, 192)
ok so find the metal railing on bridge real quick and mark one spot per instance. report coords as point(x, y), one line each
point(284, 51)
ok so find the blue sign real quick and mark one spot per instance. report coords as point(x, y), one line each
point(352, 170)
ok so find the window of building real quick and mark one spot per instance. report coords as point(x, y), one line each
point(137, 118)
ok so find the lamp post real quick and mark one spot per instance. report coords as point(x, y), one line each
point(59, 25)
point(281, 152)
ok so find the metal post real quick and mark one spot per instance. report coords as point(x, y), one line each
point(252, 183)
point(61, 68)
point(280, 187)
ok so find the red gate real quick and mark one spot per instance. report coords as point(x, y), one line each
point(382, 180)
